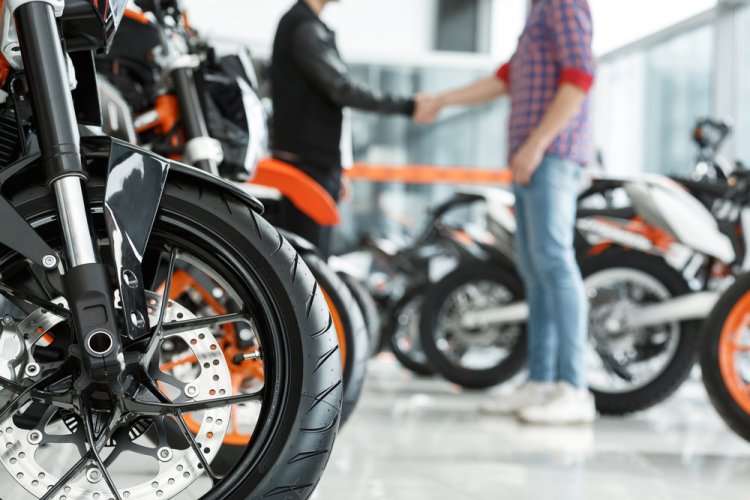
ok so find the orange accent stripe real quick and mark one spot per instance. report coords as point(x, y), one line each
point(167, 109)
point(428, 174)
point(730, 348)
point(301, 189)
point(137, 16)
point(338, 323)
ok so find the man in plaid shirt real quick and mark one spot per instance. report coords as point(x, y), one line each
point(548, 80)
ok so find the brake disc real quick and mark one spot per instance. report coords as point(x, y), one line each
point(21, 448)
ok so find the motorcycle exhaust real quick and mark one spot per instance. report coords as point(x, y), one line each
point(696, 306)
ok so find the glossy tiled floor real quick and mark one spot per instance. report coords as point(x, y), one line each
point(415, 439)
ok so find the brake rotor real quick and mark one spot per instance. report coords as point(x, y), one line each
point(247, 376)
point(20, 448)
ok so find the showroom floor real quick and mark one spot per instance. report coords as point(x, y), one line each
point(414, 439)
point(420, 439)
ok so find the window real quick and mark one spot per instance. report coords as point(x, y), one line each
point(647, 101)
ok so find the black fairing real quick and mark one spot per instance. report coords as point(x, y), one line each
point(91, 24)
point(129, 63)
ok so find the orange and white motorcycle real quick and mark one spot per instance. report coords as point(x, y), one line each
point(653, 267)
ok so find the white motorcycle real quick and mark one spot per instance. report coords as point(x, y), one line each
point(653, 267)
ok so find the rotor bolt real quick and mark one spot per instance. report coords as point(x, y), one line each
point(7, 320)
point(164, 454)
point(49, 261)
point(35, 437)
point(32, 369)
point(191, 391)
point(93, 475)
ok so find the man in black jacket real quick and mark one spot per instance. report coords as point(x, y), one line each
point(311, 85)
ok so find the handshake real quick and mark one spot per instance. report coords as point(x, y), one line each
point(427, 108)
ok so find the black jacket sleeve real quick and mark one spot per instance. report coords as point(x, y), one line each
point(322, 65)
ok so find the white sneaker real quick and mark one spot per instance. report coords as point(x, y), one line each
point(529, 394)
point(569, 406)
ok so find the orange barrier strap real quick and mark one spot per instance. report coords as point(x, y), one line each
point(428, 174)
point(301, 189)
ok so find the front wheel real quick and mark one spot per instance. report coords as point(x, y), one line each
point(474, 357)
point(631, 369)
point(725, 357)
point(161, 438)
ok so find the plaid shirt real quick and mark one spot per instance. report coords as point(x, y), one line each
point(554, 48)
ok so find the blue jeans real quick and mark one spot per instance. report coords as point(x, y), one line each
point(558, 307)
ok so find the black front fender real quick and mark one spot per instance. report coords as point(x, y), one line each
point(94, 148)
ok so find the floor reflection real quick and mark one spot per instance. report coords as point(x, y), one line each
point(415, 438)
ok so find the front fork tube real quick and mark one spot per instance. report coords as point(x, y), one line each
point(86, 281)
point(200, 149)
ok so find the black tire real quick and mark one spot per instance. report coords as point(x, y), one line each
point(731, 412)
point(370, 310)
point(357, 342)
point(474, 272)
point(293, 440)
point(414, 360)
point(678, 369)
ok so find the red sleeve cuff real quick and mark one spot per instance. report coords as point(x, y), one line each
point(577, 77)
point(504, 73)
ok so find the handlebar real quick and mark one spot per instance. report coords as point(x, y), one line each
point(711, 134)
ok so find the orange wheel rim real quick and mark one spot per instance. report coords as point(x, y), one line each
point(338, 324)
point(731, 347)
point(182, 282)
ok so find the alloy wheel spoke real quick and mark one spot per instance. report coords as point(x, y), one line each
point(145, 408)
point(33, 300)
point(194, 446)
point(34, 393)
point(95, 446)
point(72, 472)
point(184, 430)
point(740, 348)
point(158, 330)
point(175, 327)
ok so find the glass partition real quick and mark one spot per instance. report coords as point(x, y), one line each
point(647, 101)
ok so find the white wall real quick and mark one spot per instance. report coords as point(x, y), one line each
point(508, 19)
point(402, 31)
point(620, 22)
point(366, 28)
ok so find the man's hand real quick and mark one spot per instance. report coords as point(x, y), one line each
point(525, 162)
point(427, 108)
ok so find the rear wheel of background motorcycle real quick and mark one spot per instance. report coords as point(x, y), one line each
point(299, 418)
point(724, 354)
point(474, 358)
point(628, 268)
point(369, 309)
point(354, 339)
point(402, 331)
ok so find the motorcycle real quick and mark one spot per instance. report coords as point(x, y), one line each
point(399, 275)
point(214, 120)
point(96, 231)
point(724, 356)
point(652, 269)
